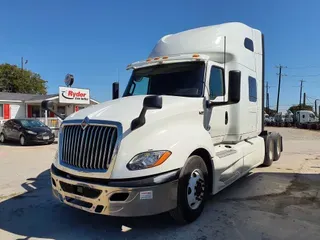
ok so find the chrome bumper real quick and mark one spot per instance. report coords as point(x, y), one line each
point(115, 201)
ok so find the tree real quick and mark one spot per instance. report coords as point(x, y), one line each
point(14, 79)
point(295, 108)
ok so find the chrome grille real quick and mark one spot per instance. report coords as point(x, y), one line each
point(91, 148)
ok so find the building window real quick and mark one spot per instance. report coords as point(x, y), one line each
point(35, 111)
point(1, 110)
point(252, 89)
point(216, 83)
point(248, 44)
point(61, 110)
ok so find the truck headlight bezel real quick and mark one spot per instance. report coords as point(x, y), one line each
point(145, 160)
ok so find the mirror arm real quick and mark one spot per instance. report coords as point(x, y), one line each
point(57, 114)
point(45, 105)
point(139, 121)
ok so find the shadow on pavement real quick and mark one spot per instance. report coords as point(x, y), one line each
point(37, 214)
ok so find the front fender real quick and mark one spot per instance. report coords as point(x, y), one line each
point(181, 138)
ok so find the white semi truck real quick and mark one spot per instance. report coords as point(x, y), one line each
point(189, 124)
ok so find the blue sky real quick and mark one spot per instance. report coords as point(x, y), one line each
point(92, 39)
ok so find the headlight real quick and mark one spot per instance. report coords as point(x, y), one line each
point(31, 132)
point(148, 160)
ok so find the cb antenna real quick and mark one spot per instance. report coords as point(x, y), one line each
point(224, 52)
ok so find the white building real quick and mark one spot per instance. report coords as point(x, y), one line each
point(18, 105)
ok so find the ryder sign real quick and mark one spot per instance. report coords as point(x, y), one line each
point(74, 95)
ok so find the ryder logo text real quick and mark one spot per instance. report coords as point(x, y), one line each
point(74, 95)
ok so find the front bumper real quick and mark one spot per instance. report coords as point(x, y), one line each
point(115, 200)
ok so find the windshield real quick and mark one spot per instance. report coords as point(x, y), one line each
point(31, 123)
point(178, 79)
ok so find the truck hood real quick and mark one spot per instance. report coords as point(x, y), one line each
point(124, 110)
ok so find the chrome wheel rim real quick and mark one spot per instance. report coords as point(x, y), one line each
point(1, 138)
point(196, 189)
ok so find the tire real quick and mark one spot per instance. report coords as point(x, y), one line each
point(269, 153)
point(22, 140)
point(2, 138)
point(192, 191)
point(276, 138)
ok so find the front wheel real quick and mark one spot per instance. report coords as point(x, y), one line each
point(192, 191)
point(2, 138)
point(22, 140)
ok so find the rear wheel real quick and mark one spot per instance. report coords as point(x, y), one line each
point(192, 191)
point(2, 138)
point(269, 151)
point(277, 145)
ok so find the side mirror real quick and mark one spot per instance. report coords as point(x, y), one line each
point(149, 102)
point(115, 90)
point(234, 86)
point(152, 102)
point(48, 105)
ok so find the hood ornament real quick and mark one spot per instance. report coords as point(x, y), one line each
point(85, 123)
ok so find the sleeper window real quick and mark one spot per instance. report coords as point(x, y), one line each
point(216, 83)
point(252, 89)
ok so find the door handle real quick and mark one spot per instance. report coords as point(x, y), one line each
point(226, 118)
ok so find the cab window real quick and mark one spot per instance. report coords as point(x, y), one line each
point(216, 83)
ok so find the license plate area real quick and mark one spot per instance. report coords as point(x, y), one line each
point(45, 137)
point(80, 190)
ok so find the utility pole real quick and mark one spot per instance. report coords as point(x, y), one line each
point(23, 62)
point(279, 84)
point(267, 97)
point(301, 85)
point(316, 109)
point(304, 99)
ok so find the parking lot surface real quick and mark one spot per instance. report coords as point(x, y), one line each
point(278, 202)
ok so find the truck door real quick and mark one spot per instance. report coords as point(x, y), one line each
point(253, 104)
point(217, 118)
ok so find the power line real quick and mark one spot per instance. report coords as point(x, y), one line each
point(303, 67)
point(280, 75)
point(304, 76)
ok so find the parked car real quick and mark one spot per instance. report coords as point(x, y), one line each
point(26, 131)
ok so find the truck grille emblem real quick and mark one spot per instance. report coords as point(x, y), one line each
point(85, 123)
